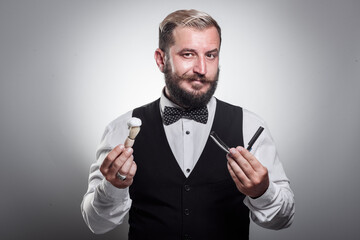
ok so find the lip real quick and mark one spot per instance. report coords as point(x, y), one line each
point(198, 80)
point(198, 84)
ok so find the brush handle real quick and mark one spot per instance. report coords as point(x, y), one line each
point(129, 142)
point(134, 132)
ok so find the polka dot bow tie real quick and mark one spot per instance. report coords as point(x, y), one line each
point(172, 115)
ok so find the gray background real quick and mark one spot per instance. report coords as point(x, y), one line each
point(67, 68)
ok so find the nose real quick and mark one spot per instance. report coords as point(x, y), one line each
point(200, 65)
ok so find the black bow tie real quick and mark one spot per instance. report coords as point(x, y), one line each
point(172, 115)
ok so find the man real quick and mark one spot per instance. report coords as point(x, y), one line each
point(183, 186)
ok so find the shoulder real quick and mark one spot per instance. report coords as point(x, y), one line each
point(223, 104)
point(114, 134)
point(252, 117)
point(147, 108)
point(119, 124)
point(119, 121)
point(251, 123)
point(247, 114)
point(116, 130)
point(226, 109)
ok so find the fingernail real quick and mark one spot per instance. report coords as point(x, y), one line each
point(232, 151)
point(240, 148)
point(121, 147)
point(129, 150)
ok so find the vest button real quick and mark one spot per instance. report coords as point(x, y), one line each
point(187, 237)
point(187, 132)
point(187, 212)
point(187, 188)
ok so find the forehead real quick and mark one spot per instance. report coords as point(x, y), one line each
point(187, 37)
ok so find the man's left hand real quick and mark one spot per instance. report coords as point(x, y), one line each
point(250, 176)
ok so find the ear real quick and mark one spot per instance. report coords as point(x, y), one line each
point(160, 59)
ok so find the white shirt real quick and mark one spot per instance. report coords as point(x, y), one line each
point(105, 206)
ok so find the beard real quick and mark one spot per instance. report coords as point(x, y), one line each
point(184, 98)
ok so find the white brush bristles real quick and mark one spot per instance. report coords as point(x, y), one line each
point(134, 122)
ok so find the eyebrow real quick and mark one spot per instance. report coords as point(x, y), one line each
point(215, 50)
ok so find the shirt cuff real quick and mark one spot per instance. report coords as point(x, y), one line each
point(266, 199)
point(112, 192)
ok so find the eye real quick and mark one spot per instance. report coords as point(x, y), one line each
point(188, 55)
point(211, 55)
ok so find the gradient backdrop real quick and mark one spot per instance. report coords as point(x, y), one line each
point(67, 68)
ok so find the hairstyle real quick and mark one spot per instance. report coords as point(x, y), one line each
point(183, 18)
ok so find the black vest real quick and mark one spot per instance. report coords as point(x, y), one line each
point(167, 205)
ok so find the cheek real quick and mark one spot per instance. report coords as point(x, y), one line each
point(181, 67)
point(213, 67)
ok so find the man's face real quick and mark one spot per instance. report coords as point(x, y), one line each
point(192, 66)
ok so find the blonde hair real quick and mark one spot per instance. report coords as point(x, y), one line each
point(183, 18)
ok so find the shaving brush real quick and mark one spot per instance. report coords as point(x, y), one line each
point(134, 128)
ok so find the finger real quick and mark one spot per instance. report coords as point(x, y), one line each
point(255, 164)
point(110, 158)
point(129, 177)
point(233, 176)
point(237, 171)
point(132, 170)
point(118, 163)
point(242, 162)
point(125, 168)
point(260, 176)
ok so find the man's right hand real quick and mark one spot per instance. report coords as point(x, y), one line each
point(121, 160)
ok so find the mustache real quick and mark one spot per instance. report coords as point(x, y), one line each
point(196, 77)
